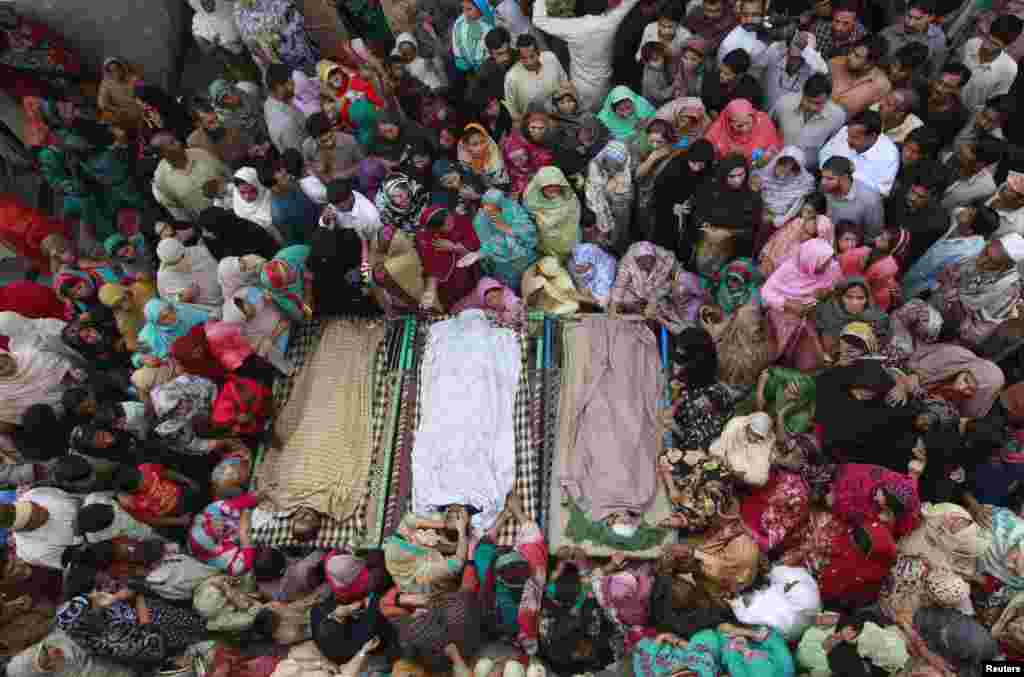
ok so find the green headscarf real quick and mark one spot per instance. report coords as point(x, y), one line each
point(623, 128)
point(801, 413)
point(364, 116)
point(746, 279)
point(558, 220)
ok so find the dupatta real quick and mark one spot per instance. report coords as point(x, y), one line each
point(284, 278)
point(159, 338)
point(491, 167)
point(36, 380)
point(558, 219)
point(763, 136)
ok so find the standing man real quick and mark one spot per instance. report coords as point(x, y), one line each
point(850, 200)
point(285, 122)
point(875, 158)
point(918, 25)
point(992, 69)
point(808, 119)
point(536, 77)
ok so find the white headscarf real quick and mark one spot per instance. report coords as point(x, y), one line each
point(789, 605)
point(259, 210)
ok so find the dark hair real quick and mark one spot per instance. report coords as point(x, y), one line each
point(94, 517)
point(269, 565)
point(338, 190)
point(80, 579)
point(877, 46)
point(926, 6)
point(277, 75)
point(870, 120)
point(892, 502)
point(989, 150)
point(957, 68)
point(128, 478)
point(291, 161)
point(930, 175)
point(673, 11)
point(845, 6)
point(927, 138)
point(317, 125)
point(818, 84)
point(1006, 27)
point(71, 468)
point(851, 620)
point(838, 165)
point(652, 48)
point(497, 37)
point(202, 105)
point(846, 226)
point(912, 55)
point(1004, 104)
point(264, 173)
point(738, 60)
point(818, 201)
point(75, 397)
point(986, 220)
point(526, 40)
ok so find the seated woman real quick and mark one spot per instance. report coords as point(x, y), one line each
point(850, 302)
point(132, 255)
point(444, 237)
point(31, 376)
point(913, 325)
point(422, 558)
point(165, 323)
point(863, 493)
point(965, 239)
point(478, 152)
point(650, 281)
point(784, 186)
point(188, 275)
point(183, 408)
point(727, 215)
point(593, 271)
point(653, 152)
point(743, 129)
point(810, 222)
point(127, 303)
point(727, 649)
point(286, 279)
point(508, 238)
point(548, 287)
point(609, 194)
point(879, 265)
point(261, 321)
point(555, 209)
point(977, 294)
point(78, 290)
point(494, 297)
point(525, 152)
point(745, 343)
point(956, 383)
point(395, 269)
point(623, 112)
point(401, 201)
point(220, 535)
point(781, 387)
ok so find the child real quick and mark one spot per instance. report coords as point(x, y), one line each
point(159, 496)
point(657, 81)
point(667, 30)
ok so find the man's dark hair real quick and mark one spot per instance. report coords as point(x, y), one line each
point(277, 75)
point(269, 565)
point(674, 11)
point(845, 6)
point(817, 201)
point(738, 61)
point(1006, 27)
point(870, 120)
point(927, 6)
point(986, 220)
point(317, 125)
point(930, 175)
point(817, 85)
point(927, 139)
point(838, 165)
point(877, 46)
point(292, 162)
point(525, 41)
point(957, 68)
point(497, 38)
point(912, 55)
point(339, 190)
point(129, 478)
point(989, 150)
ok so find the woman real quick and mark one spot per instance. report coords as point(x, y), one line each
point(746, 445)
point(181, 407)
point(965, 239)
point(811, 222)
point(547, 287)
point(342, 88)
point(226, 234)
point(286, 279)
point(116, 95)
point(623, 112)
point(850, 302)
point(731, 80)
point(650, 281)
point(31, 376)
point(220, 535)
point(978, 294)
point(727, 216)
point(132, 255)
point(593, 271)
point(524, 154)
point(914, 325)
point(508, 238)
point(791, 295)
point(162, 113)
point(188, 275)
point(609, 194)
point(25, 231)
point(165, 323)
point(78, 290)
point(674, 195)
point(252, 201)
point(128, 303)
point(401, 201)
point(652, 150)
point(738, 284)
point(58, 654)
point(468, 48)
point(863, 493)
point(480, 154)
point(273, 31)
point(492, 296)
point(727, 649)
point(785, 184)
point(688, 117)
point(396, 270)
point(96, 343)
point(745, 343)
point(555, 209)
point(723, 562)
point(879, 265)
point(743, 129)
point(31, 299)
point(261, 322)
point(444, 237)
point(966, 384)
point(788, 395)
point(238, 109)
point(235, 272)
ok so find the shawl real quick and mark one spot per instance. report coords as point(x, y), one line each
point(437, 262)
point(227, 345)
point(738, 282)
point(914, 324)
point(933, 540)
point(182, 268)
point(854, 491)
point(599, 173)
point(408, 218)
point(831, 317)
point(140, 264)
point(248, 115)
point(558, 219)
point(599, 275)
point(364, 116)
point(263, 321)
point(986, 293)
point(232, 278)
point(226, 234)
point(942, 361)
point(512, 306)
point(763, 136)
point(548, 287)
point(131, 319)
point(499, 246)
point(702, 656)
point(284, 277)
point(157, 338)
point(784, 197)
point(491, 167)
point(468, 46)
point(646, 285)
point(181, 402)
point(788, 605)
point(23, 332)
point(797, 279)
point(682, 85)
point(515, 146)
point(78, 662)
point(787, 239)
point(100, 354)
point(692, 108)
point(622, 128)
point(749, 461)
point(192, 353)
point(800, 416)
point(1007, 536)
point(258, 211)
point(37, 380)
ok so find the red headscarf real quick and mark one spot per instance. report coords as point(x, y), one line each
point(762, 136)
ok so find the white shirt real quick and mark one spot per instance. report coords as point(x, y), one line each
point(876, 167)
point(362, 217)
point(123, 525)
point(987, 79)
point(523, 87)
point(285, 123)
point(1009, 222)
point(741, 38)
point(45, 545)
point(651, 35)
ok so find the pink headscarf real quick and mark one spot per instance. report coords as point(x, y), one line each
point(762, 136)
point(514, 311)
point(227, 344)
point(797, 278)
point(940, 361)
point(536, 157)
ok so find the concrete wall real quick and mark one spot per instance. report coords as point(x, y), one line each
point(146, 32)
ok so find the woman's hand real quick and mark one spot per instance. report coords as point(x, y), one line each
point(791, 393)
point(897, 397)
point(372, 645)
point(447, 246)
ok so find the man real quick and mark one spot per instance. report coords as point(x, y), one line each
point(807, 120)
point(838, 29)
point(875, 157)
point(745, 36)
point(590, 39)
point(536, 77)
point(1009, 205)
point(974, 164)
point(43, 521)
point(917, 208)
point(229, 144)
point(857, 81)
point(920, 145)
point(898, 119)
point(180, 177)
point(787, 67)
point(285, 122)
point(347, 208)
point(906, 66)
point(918, 25)
point(328, 153)
point(712, 21)
point(850, 200)
point(293, 213)
point(501, 58)
point(941, 108)
point(991, 121)
point(992, 69)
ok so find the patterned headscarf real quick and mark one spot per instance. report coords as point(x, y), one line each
point(406, 218)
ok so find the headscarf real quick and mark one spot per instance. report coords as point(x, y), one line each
point(182, 402)
point(264, 322)
point(182, 268)
point(689, 107)
point(37, 380)
point(798, 279)
point(738, 283)
point(227, 344)
point(558, 219)
point(625, 595)
point(231, 277)
point(130, 320)
point(364, 117)
point(284, 277)
point(97, 354)
point(831, 316)
point(248, 115)
point(763, 136)
point(940, 362)
point(70, 275)
point(612, 155)
point(598, 280)
point(557, 295)
point(490, 168)
point(258, 211)
point(1007, 536)
point(934, 541)
point(78, 662)
point(141, 264)
point(915, 323)
point(987, 293)
point(750, 461)
point(407, 219)
point(786, 607)
point(468, 36)
point(536, 157)
point(783, 197)
point(494, 242)
point(623, 128)
point(646, 285)
point(158, 338)
point(193, 355)
point(681, 85)
point(514, 312)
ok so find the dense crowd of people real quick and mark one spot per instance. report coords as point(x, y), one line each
point(819, 204)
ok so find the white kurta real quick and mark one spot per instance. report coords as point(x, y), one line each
point(465, 449)
point(45, 545)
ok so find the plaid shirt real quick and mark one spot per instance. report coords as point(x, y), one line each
point(827, 45)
